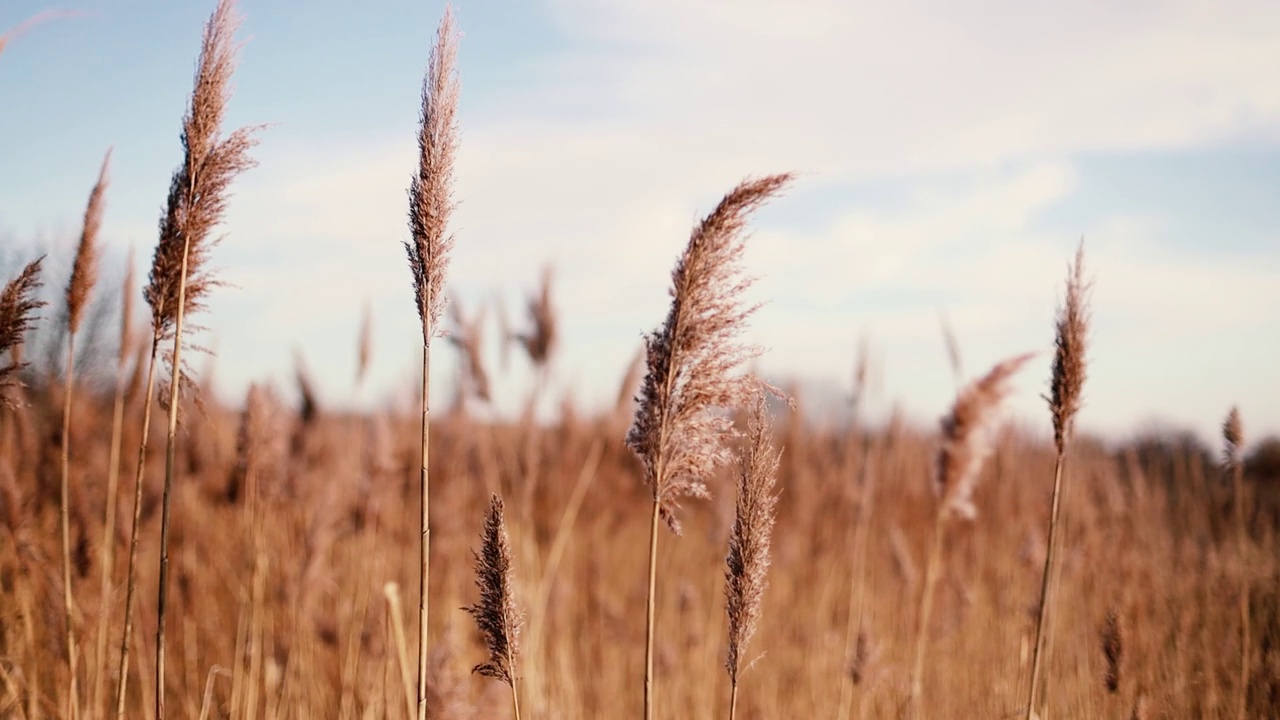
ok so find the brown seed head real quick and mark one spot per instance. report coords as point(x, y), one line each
point(1233, 435)
point(692, 358)
point(541, 340)
point(468, 338)
point(365, 351)
point(84, 271)
point(431, 190)
point(747, 563)
point(1070, 345)
point(965, 430)
point(198, 191)
point(1113, 651)
point(17, 313)
point(497, 616)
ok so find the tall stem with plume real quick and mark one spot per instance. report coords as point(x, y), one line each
point(690, 371)
point(1067, 382)
point(1233, 437)
point(84, 274)
point(181, 278)
point(966, 445)
point(430, 205)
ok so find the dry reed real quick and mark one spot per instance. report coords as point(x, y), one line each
point(1066, 384)
point(181, 278)
point(499, 619)
point(430, 205)
point(965, 447)
point(747, 562)
point(18, 304)
point(1233, 440)
point(84, 274)
point(690, 364)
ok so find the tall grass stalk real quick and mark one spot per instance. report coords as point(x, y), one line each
point(1233, 437)
point(965, 447)
point(430, 205)
point(1067, 381)
point(180, 279)
point(113, 488)
point(84, 274)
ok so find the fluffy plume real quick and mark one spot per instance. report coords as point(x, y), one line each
point(198, 191)
point(747, 563)
point(18, 304)
point(690, 360)
point(84, 271)
point(541, 340)
point(1233, 435)
point(431, 190)
point(468, 338)
point(1113, 651)
point(364, 353)
point(496, 614)
point(965, 430)
point(1070, 344)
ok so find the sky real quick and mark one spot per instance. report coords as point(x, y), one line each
point(948, 162)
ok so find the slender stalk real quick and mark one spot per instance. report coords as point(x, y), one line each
point(1233, 434)
point(1069, 371)
point(515, 696)
point(649, 611)
point(73, 692)
point(109, 532)
point(733, 701)
point(857, 589)
point(425, 526)
point(1048, 585)
point(932, 568)
point(131, 583)
point(175, 378)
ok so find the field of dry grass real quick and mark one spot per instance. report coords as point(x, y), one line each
point(874, 571)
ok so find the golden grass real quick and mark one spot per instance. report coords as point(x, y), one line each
point(279, 528)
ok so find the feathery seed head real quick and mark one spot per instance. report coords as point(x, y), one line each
point(1069, 361)
point(18, 304)
point(747, 563)
point(198, 191)
point(692, 358)
point(84, 271)
point(1233, 435)
point(965, 431)
point(540, 342)
point(496, 614)
point(431, 190)
point(1113, 651)
point(364, 353)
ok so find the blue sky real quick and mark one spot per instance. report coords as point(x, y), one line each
point(949, 160)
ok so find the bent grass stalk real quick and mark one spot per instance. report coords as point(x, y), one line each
point(690, 365)
point(965, 448)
